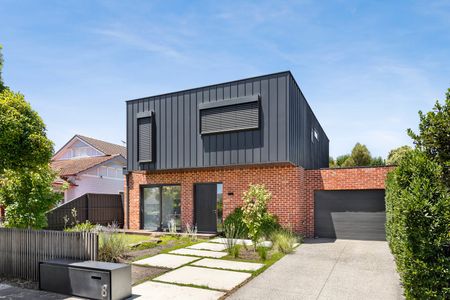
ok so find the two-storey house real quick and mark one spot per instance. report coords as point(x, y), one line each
point(192, 153)
point(89, 165)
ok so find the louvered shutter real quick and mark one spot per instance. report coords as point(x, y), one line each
point(230, 118)
point(145, 139)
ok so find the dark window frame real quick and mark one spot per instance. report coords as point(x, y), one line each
point(229, 103)
point(140, 116)
point(141, 202)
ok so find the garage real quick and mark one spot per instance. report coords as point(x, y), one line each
point(350, 214)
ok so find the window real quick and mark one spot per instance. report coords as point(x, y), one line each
point(80, 151)
point(145, 138)
point(103, 171)
point(161, 207)
point(219, 207)
point(314, 135)
point(230, 115)
point(111, 172)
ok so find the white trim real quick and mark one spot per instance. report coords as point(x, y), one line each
point(70, 143)
point(99, 176)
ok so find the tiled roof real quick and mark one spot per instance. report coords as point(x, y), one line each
point(105, 147)
point(74, 166)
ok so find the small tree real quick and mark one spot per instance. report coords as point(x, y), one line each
point(255, 209)
point(377, 161)
point(27, 195)
point(361, 155)
point(341, 159)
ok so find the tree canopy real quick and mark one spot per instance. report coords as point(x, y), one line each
point(395, 155)
point(23, 141)
point(360, 156)
point(26, 178)
point(2, 85)
point(434, 134)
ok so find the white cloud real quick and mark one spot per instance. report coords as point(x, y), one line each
point(147, 43)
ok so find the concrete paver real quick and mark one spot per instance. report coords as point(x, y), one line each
point(162, 291)
point(219, 240)
point(199, 253)
point(328, 269)
point(213, 279)
point(228, 264)
point(209, 246)
point(166, 261)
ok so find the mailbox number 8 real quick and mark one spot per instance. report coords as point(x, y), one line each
point(104, 291)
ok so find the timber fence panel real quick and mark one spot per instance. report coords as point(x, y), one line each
point(21, 250)
point(100, 209)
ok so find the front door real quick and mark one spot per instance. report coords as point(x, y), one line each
point(206, 207)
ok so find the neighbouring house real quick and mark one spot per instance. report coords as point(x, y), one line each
point(89, 165)
point(192, 154)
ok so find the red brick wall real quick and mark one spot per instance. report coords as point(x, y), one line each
point(285, 182)
point(292, 189)
point(340, 179)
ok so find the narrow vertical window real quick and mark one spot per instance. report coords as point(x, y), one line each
point(145, 139)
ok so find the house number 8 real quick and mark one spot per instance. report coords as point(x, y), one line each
point(104, 291)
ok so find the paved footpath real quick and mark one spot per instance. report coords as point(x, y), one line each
point(327, 269)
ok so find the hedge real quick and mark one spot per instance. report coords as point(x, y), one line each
point(418, 226)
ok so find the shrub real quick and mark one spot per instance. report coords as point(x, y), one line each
point(235, 219)
point(434, 135)
point(262, 251)
point(234, 250)
point(233, 230)
point(269, 226)
point(255, 209)
point(283, 241)
point(87, 226)
point(113, 245)
point(191, 232)
point(418, 226)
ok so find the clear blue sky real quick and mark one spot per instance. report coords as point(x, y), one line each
point(366, 67)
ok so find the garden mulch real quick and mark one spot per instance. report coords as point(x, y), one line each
point(140, 273)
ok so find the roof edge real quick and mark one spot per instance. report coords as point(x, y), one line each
point(210, 85)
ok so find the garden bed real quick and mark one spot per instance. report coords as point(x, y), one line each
point(143, 246)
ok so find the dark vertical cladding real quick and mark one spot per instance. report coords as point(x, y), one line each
point(277, 138)
point(308, 143)
point(178, 138)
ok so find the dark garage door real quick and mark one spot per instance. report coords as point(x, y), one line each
point(356, 215)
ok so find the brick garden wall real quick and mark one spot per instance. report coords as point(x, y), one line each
point(285, 182)
point(340, 179)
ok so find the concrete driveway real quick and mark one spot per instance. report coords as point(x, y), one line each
point(329, 269)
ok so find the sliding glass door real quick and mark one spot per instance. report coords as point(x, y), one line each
point(161, 207)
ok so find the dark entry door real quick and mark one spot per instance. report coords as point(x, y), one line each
point(356, 214)
point(206, 207)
